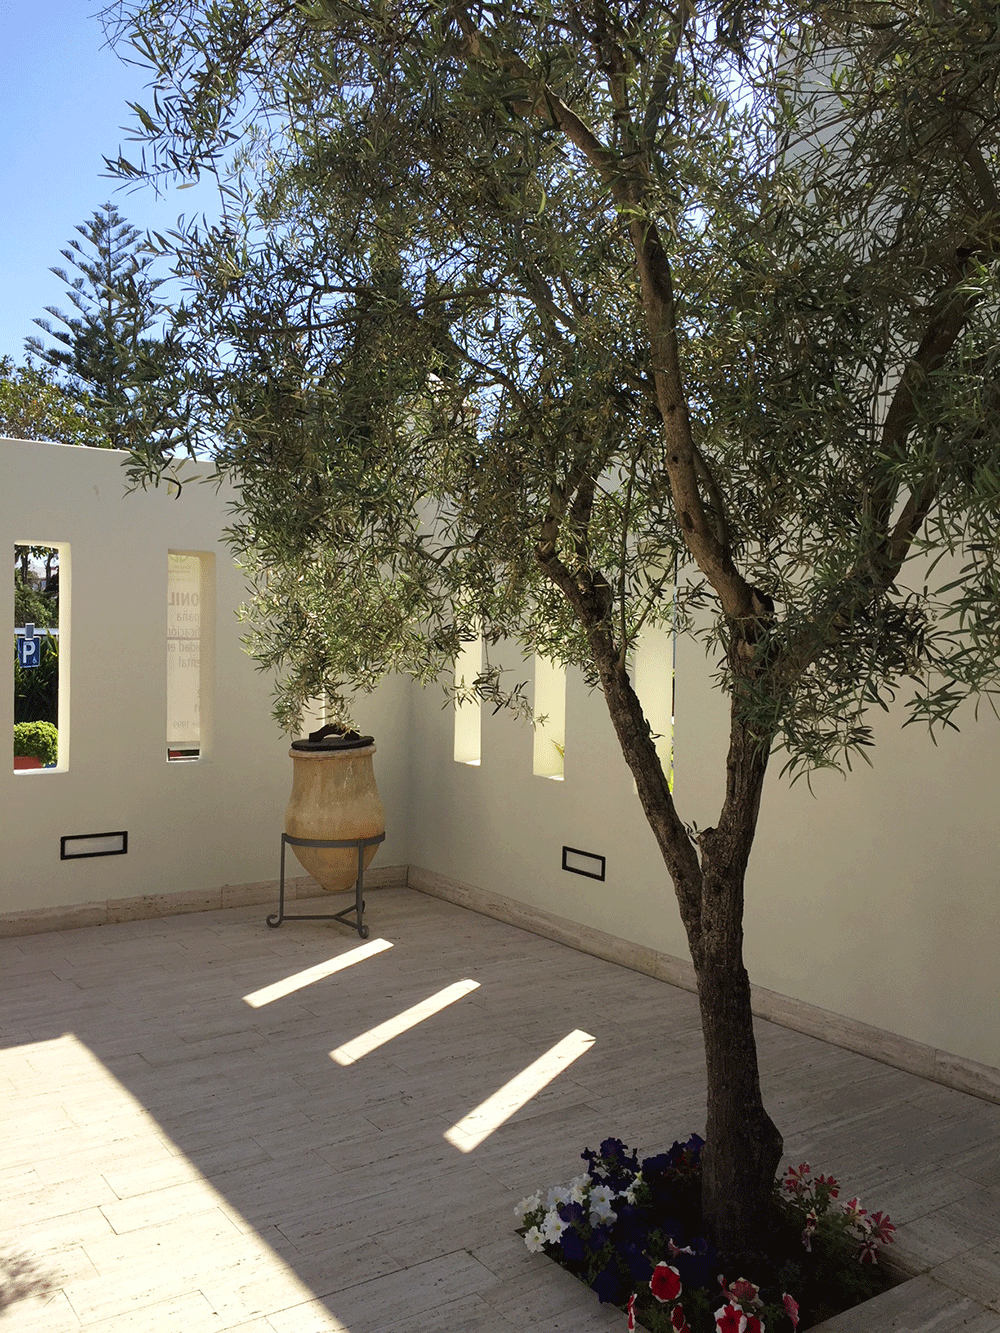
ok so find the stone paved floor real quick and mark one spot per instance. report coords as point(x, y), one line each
point(177, 1157)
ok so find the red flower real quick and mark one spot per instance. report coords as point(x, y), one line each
point(791, 1308)
point(754, 1324)
point(868, 1254)
point(665, 1284)
point(730, 1319)
point(881, 1227)
point(677, 1320)
point(742, 1291)
point(796, 1179)
point(630, 1311)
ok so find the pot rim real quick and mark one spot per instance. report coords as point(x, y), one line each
point(355, 753)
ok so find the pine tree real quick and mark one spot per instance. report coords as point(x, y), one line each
point(105, 349)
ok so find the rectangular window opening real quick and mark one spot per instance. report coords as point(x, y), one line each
point(550, 733)
point(189, 623)
point(41, 657)
point(654, 680)
point(468, 712)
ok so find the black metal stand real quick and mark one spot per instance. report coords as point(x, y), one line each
point(276, 918)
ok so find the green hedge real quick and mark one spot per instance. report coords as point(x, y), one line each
point(36, 740)
point(33, 607)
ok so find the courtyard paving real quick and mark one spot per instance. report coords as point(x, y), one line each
point(209, 1125)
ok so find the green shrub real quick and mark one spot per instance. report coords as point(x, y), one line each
point(36, 740)
point(32, 607)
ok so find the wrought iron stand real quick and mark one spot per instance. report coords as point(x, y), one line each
point(276, 918)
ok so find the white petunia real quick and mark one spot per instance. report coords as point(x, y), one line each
point(578, 1189)
point(630, 1192)
point(600, 1204)
point(557, 1194)
point(528, 1205)
point(553, 1227)
point(534, 1241)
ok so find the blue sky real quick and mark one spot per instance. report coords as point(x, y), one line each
point(63, 101)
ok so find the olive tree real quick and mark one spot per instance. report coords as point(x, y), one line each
point(561, 320)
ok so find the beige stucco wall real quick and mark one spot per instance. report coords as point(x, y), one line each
point(499, 828)
point(876, 898)
point(191, 826)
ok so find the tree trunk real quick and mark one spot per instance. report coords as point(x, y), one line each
point(742, 1144)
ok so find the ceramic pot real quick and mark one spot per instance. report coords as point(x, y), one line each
point(333, 796)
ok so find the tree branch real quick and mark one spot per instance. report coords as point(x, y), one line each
point(627, 179)
point(635, 737)
point(661, 84)
point(944, 329)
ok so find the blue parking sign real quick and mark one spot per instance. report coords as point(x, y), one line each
point(29, 647)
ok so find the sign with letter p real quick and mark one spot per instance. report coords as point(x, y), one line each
point(29, 648)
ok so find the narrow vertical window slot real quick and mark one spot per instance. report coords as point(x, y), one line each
point(468, 712)
point(189, 649)
point(653, 678)
point(550, 704)
point(41, 656)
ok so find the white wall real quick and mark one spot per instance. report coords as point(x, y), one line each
point(872, 894)
point(192, 826)
point(876, 899)
point(500, 828)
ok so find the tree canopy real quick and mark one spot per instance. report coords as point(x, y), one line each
point(435, 219)
point(34, 406)
point(566, 319)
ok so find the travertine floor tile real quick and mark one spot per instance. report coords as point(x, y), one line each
point(51, 1201)
point(525, 1303)
point(177, 1160)
point(974, 1273)
point(52, 1312)
point(308, 1317)
point(189, 1311)
point(918, 1306)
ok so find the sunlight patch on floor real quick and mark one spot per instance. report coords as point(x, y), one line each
point(154, 1233)
point(378, 1036)
point(298, 980)
point(479, 1124)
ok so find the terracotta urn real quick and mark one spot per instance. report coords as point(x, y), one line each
point(334, 796)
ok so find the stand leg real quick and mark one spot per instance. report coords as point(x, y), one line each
point(276, 918)
point(359, 892)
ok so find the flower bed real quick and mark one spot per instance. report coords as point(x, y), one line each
point(632, 1231)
